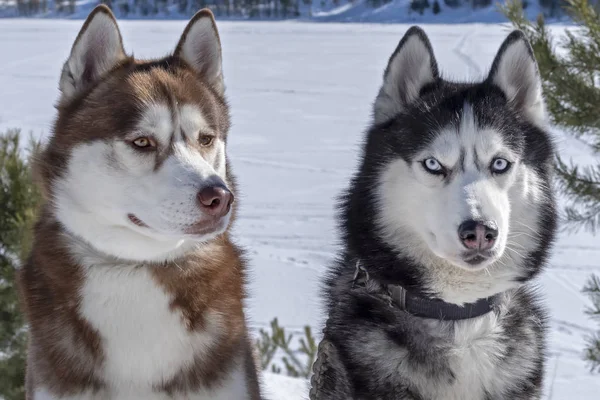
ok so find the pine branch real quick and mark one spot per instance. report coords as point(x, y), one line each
point(277, 340)
point(592, 289)
point(266, 348)
point(581, 186)
point(19, 199)
point(592, 352)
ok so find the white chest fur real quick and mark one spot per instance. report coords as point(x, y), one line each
point(477, 346)
point(477, 359)
point(144, 340)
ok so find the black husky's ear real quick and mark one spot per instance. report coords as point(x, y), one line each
point(200, 48)
point(411, 67)
point(97, 49)
point(515, 71)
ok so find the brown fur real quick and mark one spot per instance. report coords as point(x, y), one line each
point(211, 280)
point(111, 107)
point(66, 351)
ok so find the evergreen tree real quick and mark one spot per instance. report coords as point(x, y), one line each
point(571, 82)
point(309, 4)
point(480, 3)
point(254, 9)
point(182, 6)
point(285, 4)
point(436, 7)
point(592, 352)
point(419, 5)
point(297, 361)
point(453, 3)
point(18, 203)
point(552, 7)
point(108, 3)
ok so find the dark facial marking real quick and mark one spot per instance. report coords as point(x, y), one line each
point(476, 160)
point(461, 161)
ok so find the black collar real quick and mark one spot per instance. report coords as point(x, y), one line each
point(424, 307)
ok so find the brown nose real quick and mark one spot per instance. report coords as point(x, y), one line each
point(215, 200)
point(478, 235)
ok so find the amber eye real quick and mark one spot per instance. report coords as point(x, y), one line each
point(144, 142)
point(206, 140)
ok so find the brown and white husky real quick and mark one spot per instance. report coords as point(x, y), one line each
point(133, 289)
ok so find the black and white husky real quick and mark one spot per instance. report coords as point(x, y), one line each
point(448, 218)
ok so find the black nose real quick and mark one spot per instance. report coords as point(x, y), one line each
point(480, 235)
point(215, 200)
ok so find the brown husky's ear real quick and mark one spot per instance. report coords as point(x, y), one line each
point(200, 48)
point(97, 49)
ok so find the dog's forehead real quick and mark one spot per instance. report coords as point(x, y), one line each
point(468, 137)
point(448, 118)
point(153, 100)
point(175, 89)
point(164, 120)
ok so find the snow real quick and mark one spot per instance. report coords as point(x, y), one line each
point(279, 387)
point(301, 96)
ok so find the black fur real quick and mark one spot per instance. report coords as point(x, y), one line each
point(369, 345)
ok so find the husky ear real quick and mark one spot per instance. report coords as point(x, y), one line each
point(97, 49)
point(411, 67)
point(200, 48)
point(515, 71)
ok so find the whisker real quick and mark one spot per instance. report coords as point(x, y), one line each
point(526, 226)
point(518, 234)
point(508, 242)
point(515, 251)
point(502, 263)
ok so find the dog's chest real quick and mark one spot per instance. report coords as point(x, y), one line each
point(477, 358)
point(144, 340)
point(234, 387)
point(476, 347)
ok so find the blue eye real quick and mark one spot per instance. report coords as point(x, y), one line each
point(433, 166)
point(500, 165)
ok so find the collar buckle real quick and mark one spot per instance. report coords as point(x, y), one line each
point(398, 295)
point(358, 279)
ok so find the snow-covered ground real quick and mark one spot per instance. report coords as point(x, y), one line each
point(300, 96)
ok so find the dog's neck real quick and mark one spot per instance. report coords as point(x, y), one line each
point(433, 277)
point(421, 306)
point(88, 254)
